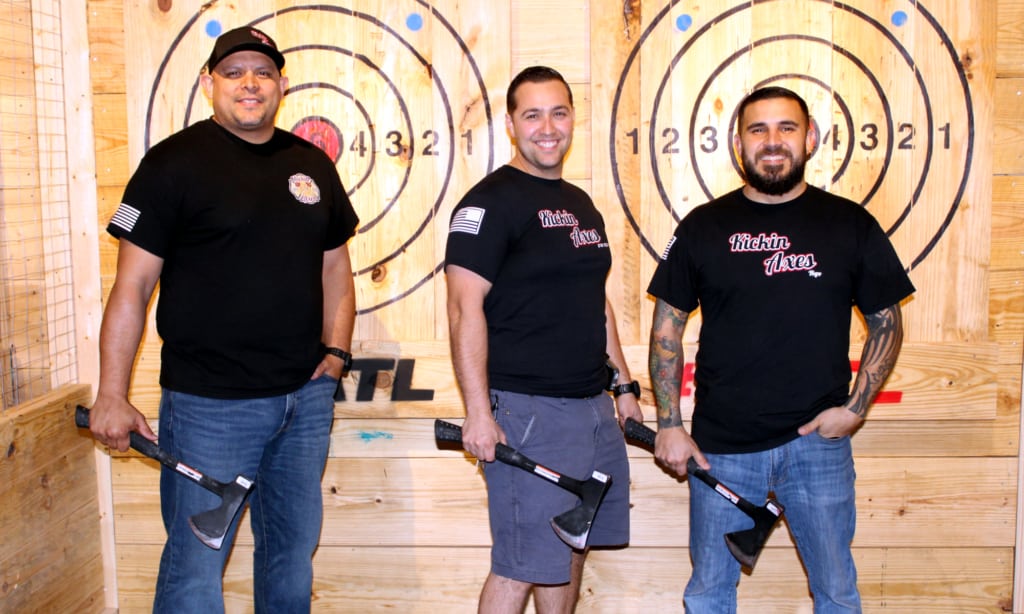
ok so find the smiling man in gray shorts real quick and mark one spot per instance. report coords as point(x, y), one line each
point(531, 330)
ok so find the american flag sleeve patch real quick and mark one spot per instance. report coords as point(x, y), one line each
point(125, 217)
point(468, 220)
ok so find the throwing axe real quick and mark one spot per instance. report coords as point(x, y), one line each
point(209, 526)
point(573, 526)
point(745, 545)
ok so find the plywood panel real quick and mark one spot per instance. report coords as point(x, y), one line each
point(107, 46)
point(111, 127)
point(1010, 39)
point(551, 38)
point(636, 580)
point(612, 146)
point(400, 501)
point(1008, 148)
point(931, 382)
point(479, 115)
point(414, 437)
point(1007, 230)
point(1007, 315)
point(50, 557)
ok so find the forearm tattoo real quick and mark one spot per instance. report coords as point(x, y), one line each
point(885, 337)
point(665, 361)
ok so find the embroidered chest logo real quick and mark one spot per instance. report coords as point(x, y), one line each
point(779, 261)
point(564, 219)
point(304, 189)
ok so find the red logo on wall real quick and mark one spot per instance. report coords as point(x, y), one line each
point(885, 396)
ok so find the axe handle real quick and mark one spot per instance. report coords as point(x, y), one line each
point(643, 434)
point(639, 432)
point(446, 431)
point(152, 450)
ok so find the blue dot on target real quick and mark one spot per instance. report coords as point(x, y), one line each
point(683, 23)
point(213, 28)
point(414, 22)
point(899, 18)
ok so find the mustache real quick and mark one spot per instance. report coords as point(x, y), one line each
point(774, 150)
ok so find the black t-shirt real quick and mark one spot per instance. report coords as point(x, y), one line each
point(242, 229)
point(775, 285)
point(542, 245)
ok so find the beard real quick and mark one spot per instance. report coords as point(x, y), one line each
point(773, 180)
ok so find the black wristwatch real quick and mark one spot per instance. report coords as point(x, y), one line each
point(633, 386)
point(346, 358)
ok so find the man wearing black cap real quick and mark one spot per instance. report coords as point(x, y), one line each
point(245, 227)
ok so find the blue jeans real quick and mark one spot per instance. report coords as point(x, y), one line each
point(281, 443)
point(813, 478)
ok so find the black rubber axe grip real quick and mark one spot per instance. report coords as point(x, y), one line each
point(150, 449)
point(643, 434)
point(446, 431)
point(637, 431)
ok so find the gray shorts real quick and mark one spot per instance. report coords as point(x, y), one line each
point(573, 437)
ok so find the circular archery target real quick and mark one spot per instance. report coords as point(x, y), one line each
point(366, 89)
point(895, 131)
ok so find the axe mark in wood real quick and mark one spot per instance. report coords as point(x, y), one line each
point(212, 525)
point(745, 545)
point(573, 526)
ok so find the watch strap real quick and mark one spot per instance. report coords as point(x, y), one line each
point(346, 358)
point(633, 387)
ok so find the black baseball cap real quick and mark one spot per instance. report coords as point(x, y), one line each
point(244, 39)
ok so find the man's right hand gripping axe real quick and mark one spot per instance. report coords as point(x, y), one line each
point(745, 545)
point(212, 525)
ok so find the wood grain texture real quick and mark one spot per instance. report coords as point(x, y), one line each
point(1010, 39)
point(906, 502)
point(631, 581)
point(50, 557)
point(1008, 149)
point(937, 471)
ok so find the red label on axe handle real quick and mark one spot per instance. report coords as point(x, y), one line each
point(546, 473)
point(184, 469)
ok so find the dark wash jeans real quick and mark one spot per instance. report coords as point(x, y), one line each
point(282, 443)
point(813, 478)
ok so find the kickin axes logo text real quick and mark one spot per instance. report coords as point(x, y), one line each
point(564, 219)
point(779, 261)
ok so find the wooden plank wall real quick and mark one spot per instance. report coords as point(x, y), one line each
point(23, 189)
point(50, 556)
point(405, 522)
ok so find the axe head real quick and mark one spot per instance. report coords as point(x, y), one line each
point(746, 545)
point(212, 525)
point(573, 526)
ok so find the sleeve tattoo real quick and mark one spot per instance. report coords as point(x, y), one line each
point(665, 361)
point(885, 337)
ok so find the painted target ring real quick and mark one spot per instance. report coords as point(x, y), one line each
point(383, 111)
point(321, 132)
point(895, 134)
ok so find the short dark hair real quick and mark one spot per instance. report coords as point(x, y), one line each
point(533, 74)
point(767, 93)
